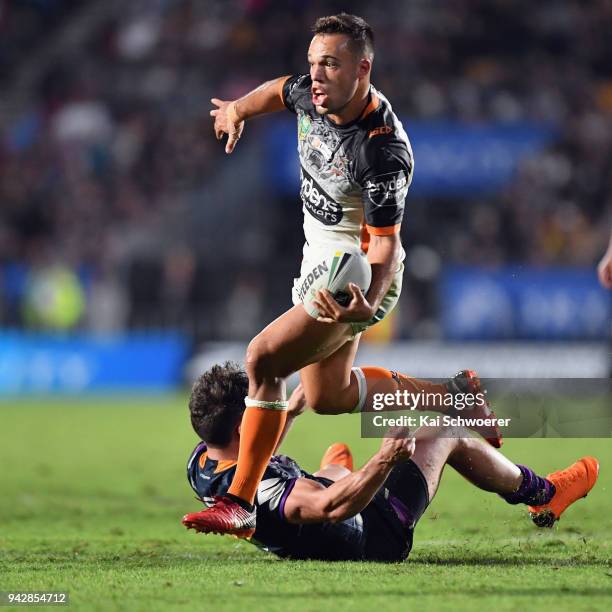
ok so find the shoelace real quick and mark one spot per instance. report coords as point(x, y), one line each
point(239, 513)
point(567, 478)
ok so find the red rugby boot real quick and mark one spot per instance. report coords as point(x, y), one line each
point(225, 516)
point(467, 381)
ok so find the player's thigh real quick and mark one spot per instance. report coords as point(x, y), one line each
point(327, 383)
point(292, 341)
point(433, 447)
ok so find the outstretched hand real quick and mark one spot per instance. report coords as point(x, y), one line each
point(227, 122)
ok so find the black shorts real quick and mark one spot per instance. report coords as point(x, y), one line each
point(390, 518)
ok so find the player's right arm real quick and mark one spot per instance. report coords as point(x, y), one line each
point(604, 269)
point(231, 115)
point(311, 502)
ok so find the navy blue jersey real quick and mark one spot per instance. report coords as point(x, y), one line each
point(352, 539)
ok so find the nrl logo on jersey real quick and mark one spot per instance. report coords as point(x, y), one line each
point(304, 125)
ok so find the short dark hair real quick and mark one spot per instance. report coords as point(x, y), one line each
point(216, 403)
point(356, 28)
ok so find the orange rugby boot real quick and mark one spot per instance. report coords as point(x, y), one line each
point(571, 484)
point(338, 454)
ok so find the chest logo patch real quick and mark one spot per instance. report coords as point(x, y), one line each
point(317, 202)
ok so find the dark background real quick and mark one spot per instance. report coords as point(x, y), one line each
point(119, 209)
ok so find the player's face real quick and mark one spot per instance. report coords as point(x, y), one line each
point(335, 71)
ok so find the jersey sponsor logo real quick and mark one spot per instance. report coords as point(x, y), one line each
point(387, 191)
point(384, 129)
point(317, 202)
point(318, 271)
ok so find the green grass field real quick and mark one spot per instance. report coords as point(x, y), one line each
point(92, 492)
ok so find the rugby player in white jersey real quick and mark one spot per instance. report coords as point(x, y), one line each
point(356, 167)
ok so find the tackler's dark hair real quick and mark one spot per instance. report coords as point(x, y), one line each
point(216, 403)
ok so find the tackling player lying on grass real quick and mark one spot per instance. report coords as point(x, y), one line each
point(369, 514)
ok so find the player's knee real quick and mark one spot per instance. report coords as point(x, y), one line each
point(466, 439)
point(456, 433)
point(321, 407)
point(322, 403)
point(260, 362)
point(459, 436)
point(449, 434)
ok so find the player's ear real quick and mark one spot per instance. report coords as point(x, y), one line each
point(364, 67)
point(238, 430)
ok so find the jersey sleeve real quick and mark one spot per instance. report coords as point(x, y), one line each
point(297, 92)
point(384, 173)
point(277, 483)
point(192, 464)
point(272, 494)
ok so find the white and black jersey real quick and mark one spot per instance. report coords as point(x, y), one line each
point(354, 177)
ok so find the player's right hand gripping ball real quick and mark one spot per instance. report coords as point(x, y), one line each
point(334, 272)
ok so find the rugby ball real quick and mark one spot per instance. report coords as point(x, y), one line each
point(334, 272)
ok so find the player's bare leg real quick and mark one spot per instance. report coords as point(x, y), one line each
point(489, 470)
point(333, 386)
point(292, 342)
point(289, 343)
point(330, 385)
point(483, 466)
point(325, 355)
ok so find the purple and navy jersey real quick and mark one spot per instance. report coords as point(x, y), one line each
point(332, 541)
point(354, 177)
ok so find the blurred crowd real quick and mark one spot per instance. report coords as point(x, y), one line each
point(118, 209)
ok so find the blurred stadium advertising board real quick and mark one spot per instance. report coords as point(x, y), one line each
point(32, 363)
point(452, 159)
point(524, 303)
point(518, 360)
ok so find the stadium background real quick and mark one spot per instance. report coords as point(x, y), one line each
point(133, 252)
